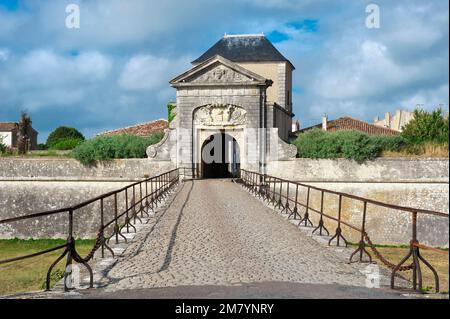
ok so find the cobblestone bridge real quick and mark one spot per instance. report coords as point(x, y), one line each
point(216, 240)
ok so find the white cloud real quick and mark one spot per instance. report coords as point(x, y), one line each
point(360, 72)
point(4, 54)
point(144, 73)
point(131, 49)
point(367, 71)
point(147, 72)
point(93, 65)
point(429, 98)
point(42, 77)
point(46, 66)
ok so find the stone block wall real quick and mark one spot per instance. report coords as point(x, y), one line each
point(34, 185)
point(40, 169)
point(419, 183)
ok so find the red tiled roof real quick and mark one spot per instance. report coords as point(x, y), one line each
point(348, 124)
point(8, 126)
point(144, 129)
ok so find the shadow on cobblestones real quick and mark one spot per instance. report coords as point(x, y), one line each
point(173, 237)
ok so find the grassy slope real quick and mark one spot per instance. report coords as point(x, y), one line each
point(439, 261)
point(30, 274)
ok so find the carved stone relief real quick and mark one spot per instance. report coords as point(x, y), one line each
point(220, 115)
point(221, 74)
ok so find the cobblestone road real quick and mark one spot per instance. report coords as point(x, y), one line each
point(214, 233)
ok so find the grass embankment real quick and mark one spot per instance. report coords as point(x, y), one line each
point(38, 154)
point(439, 261)
point(418, 151)
point(30, 274)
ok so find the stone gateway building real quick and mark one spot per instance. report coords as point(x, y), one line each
point(233, 109)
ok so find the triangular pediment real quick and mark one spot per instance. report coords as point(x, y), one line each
point(218, 71)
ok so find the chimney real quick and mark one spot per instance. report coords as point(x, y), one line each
point(324, 122)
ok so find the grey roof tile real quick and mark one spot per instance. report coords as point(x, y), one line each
point(243, 48)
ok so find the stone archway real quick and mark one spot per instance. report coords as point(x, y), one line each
point(220, 156)
point(221, 126)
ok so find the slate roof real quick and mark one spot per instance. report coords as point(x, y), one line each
point(8, 126)
point(348, 123)
point(144, 129)
point(243, 48)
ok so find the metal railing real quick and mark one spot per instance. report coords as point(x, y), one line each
point(190, 172)
point(284, 195)
point(139, 199)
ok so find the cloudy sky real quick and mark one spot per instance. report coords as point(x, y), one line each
point(113, 71)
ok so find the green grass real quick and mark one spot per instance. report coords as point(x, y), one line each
point(438, 260)
point(30, 274)
point(43, 153)
point(395, 253)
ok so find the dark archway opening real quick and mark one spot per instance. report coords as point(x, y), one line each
point(220, 156)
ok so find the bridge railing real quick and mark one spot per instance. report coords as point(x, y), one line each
point(190, 172)
point(128, 204)
point(285, 195)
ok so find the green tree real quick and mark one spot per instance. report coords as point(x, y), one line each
point(427, 127)
point(104, 148)
point(23, 138)
point(170, 111)
point(2, 145)
point(63, 133)
point(354, 145)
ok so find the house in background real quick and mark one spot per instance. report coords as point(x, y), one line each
point(144, 129)
point(9, 133)
point(396, 122)
point(347, 123)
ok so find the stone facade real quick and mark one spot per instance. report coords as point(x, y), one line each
point(227, 97)
point(396, 122)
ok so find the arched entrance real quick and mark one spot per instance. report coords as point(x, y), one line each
point(220, 156)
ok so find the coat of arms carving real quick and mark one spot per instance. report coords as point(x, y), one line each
point(220, 115)
point(220, 74)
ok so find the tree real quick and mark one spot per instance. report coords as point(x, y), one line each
point(427, 127)
point(63, 133)
point(23, 138)
point(2, 145)
point(171, 111)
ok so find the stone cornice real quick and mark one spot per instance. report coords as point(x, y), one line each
point(246, 77)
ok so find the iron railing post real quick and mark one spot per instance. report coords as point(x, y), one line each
point(338, 234)
point(321, 225)
point(362, 244)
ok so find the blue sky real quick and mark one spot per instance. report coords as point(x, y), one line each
point(114, 70)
